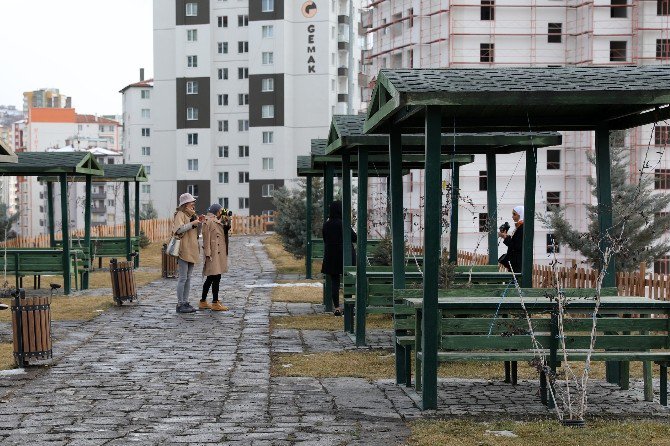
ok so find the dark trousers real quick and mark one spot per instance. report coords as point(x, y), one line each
point(335, 289)
point(212, 281)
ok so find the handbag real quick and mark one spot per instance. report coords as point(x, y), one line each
point(173, 246)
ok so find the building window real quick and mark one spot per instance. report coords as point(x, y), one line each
point(145, 94)
point(483, 180)
point(146, 188)
point(192, 61)
point(268, 84)
point(191, 9)
point(662, 179)
point(662, 49)
point(147, 169)
point(146, 151)
point(192, 139)
point(243, 177)
point(243, 73)
point(192, 189)
point(192, 114)
point(268, 164)
point(223, 177)
point(483, 222)
point(223, 151)
point(223, 201)
point(662, 265)
point(617, 51)
point(662, 7)
point(267, 5)
point(223, 48)
point(146, 113)
point(192, 35)
point(268, 111)
point(223, 99)
point(267, 190)
point(243, 203)
point(222, 21)
point(223, 125)
point(243, 151)
point(662, 135)
point(242, 20)
point(243, 125)
point(146, 132)
point(192, 164)
point(267, 58)
point(268, 31)
point(552, 246)
point(243, 99)
point(554, 32)
point(268, 137)
point(553, 159)
point(487, 10)
point(192, 87)
point(553, 201)
point(619, 9)
point(486, 52)
point(242, 47)
point(223, 73)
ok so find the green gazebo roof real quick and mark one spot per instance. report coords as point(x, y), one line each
point(520, 99)
point(48, 163)
point(113, 173)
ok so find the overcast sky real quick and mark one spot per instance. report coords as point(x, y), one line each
point(89, 49)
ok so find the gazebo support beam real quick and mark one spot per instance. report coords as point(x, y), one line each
point(453, 230)
point(329, 173)
point(361, 259)
point(346, 211)
point(492, 207)
point(529, 219)
point(65, 223)
point(126, 207)
point(87, 231)
point(52, 220)
point(137, 219)
point(308, 229)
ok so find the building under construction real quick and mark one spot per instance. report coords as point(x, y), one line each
point(544, 33)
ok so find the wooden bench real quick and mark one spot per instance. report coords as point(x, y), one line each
point(497, 330)
point(37, 262)
point(108, 247)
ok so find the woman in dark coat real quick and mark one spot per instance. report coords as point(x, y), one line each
point(514, 242)
point(332, 251)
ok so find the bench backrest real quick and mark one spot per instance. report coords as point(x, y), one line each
point(318, 248)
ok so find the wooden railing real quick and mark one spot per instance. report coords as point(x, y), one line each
point(157, 230)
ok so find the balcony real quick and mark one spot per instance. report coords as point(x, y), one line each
point(98, 195)
point(342, 97)
point(342, 71)
point(99, 210)
point(343, 46)
point(343, 19)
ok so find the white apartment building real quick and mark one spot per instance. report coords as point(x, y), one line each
point(240, 88)
point(545, 33)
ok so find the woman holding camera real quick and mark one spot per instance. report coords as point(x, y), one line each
point(186, 225)
point(216, 256)
point(514, 242)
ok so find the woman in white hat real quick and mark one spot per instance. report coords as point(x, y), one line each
point(514, 242)
point(186, 224)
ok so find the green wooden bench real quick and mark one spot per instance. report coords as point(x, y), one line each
point(317, 247)
point(37, 262)
point(489, 337)
point(404, 320)
point(109, 247)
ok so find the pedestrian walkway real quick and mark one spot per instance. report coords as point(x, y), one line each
point(142, 374)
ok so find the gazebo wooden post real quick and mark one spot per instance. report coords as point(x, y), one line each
point(492, 207)
point(346, 211)
point(453, 230)
point(87, 231)
point(529, 218)
point(137, 219)
point(361, 258)
point(126, 207)
point(52, 220)
point(65, 223)
point(328, 174)
point(308, 229)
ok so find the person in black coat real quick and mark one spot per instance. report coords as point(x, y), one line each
point(332, 251)
point(514, 242)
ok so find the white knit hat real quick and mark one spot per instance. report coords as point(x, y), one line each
point(519, 210)
point(186, 198)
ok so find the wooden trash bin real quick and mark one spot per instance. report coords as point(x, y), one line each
point(123, 281)
point(31, 326)
point(168, 264)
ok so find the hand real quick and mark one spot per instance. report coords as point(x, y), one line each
point(502, 234)
point(201, 218)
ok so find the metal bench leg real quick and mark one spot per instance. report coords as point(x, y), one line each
point(648, 382)
point(664, 384)
point(514, 372)
point(624, 375)
point(508, 375)
point(400, 371)
point(348, 319)
point(35, 281)
point(408, 366)
point(543, 388)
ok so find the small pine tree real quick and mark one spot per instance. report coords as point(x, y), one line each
point(639, 217)
point(290, 222)
point(148, 212)
point(6, 223)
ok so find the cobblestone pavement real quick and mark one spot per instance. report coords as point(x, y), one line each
point(142, 374)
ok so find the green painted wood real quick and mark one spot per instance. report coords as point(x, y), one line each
point(495, 290)
point(609, 305)
point(492, 207)
point(65, 225)
point(361, 260)
point(572, 356)
point(477, 268)
point(619, 342)
point(432, 229)
point(126, 208)
point(453, 230)
point(397, 210)
point(604, 196)
point(52, 221)
point(137, 220)
point(328, 175)
point(529, 218)
point(87, 226)
point(346, 210)
point(308, 223)
point(507, 325)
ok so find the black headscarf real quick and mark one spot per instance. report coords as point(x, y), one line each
point(335, 210)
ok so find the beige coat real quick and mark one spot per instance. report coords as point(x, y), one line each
point(189, 251)
point(214, 247)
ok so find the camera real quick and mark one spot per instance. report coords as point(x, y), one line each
point(504, 227)
point(226, 212)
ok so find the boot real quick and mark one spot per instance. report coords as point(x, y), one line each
point(217, 306)
point(203, 305)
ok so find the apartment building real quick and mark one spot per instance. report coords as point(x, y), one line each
point(240, 88)
point(45, 98)
point(544, 33)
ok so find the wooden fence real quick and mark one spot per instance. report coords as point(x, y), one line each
point(156, 230)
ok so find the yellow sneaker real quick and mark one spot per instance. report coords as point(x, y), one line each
point(204, 306)
point(217, 306)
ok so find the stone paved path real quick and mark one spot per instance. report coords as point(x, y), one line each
point(141, 374)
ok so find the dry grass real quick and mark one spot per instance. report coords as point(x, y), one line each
point(150, 257)
point(326, 322)
point(284, 262)
point(368, 365)
point(297, 294)
point(538, 433)
point(7, 356)
point(102, 279)
point(70, 308)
